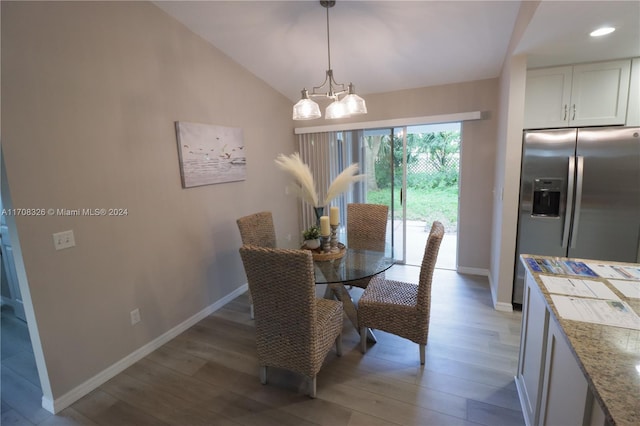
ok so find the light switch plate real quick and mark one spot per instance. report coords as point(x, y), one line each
point(63, 240)
point(135, 316)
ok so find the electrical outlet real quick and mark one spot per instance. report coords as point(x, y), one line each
point(135, 316)
point(63, 240)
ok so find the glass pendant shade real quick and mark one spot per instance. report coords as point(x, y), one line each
point(355, 104)
point(305, 108)
point(337, 109)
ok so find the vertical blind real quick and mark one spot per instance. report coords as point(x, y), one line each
point(327, 154)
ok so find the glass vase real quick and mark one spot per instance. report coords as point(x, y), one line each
point(319, 211)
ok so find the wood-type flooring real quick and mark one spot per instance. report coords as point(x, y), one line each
point(208, 375)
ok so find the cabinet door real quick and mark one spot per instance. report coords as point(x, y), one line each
point(547, 98)
point(535, 320)
point(633, 109)
point(566, 392)
point(599, 93)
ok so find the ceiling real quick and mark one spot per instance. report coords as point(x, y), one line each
point(384, 46)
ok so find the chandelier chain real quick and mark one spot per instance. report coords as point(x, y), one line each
point(328, 40)
point(349, 104)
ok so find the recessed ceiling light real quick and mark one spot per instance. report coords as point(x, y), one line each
point(602, 31)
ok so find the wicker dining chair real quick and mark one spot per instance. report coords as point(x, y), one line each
point(257, 229)
point(366, 229)
point(402, 308)
point(295, 330)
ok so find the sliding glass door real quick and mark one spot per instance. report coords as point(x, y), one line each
point(415, 171)
point(384, 157)
point(412, 169)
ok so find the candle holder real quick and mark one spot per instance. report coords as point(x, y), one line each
point(326, 244)
point(334, 238)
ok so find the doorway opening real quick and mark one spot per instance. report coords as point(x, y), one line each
point(417, 171)
point(21, 389)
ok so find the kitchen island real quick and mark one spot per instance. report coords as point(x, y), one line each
point(573, 372)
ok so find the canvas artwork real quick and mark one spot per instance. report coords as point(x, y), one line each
point(210, 154)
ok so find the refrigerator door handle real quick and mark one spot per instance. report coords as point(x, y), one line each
point(576, 209)
point(567, 216)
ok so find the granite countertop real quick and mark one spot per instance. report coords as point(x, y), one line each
point(608, 356)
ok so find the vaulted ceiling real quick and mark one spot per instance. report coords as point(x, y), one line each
point(384, 46)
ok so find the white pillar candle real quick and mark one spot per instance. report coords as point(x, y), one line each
point(324, 226)
point(335, 216)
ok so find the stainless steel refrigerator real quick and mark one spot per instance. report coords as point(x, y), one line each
point(579, 196)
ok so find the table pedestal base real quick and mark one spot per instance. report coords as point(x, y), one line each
point(339, 291)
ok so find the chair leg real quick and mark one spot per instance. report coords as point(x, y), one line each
point(263, 374)
point(422, 354)
point(363, 340)
point(312, 387)
point(339, 345)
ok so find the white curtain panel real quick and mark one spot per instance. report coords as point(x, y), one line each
point(328, 154)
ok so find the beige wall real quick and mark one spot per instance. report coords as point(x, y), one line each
point(478, 152)
point(90, 93)
point(507, 190)
point(508, 159)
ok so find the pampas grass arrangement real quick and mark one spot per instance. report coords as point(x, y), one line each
point(342, 182)
point(305, 187)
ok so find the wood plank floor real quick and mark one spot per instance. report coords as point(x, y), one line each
point(209, 374)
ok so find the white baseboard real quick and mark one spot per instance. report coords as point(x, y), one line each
point(473, 271)
point(503, 307)
point(78, 392)
point(498, 306)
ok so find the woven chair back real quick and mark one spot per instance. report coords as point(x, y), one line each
point(429, 264)
point(282, 285)
point(257, 229)
point(367, 226)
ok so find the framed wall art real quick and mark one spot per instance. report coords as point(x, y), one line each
point(210, 154)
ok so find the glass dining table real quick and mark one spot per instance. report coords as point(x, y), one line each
point(355, 264)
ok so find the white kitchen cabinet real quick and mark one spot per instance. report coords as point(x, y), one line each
point(552, 387)
point(633, 109)
point(565, 392)
point(579, 95)
point(535, 321)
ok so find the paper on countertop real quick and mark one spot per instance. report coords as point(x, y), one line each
point(630, 289)
point(615, 271)
point(578, 287)
point(559, 266)
point(606, 312)
point(633, 272)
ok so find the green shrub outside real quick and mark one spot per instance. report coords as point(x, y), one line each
point(431, 194)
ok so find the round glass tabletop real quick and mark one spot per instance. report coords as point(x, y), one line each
point(354, 265)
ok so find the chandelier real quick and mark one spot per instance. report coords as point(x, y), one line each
point(350, 104)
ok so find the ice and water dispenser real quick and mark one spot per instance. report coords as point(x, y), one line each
point(546, 197)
